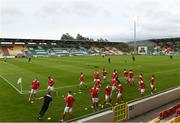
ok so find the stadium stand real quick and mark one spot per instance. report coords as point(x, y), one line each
point(60, 51)
point(5, 51)
point(167, 46)
point(169, 112)
point(17, 51)
point(170, 115)
point(1, 52)
point(57, 48)
point(38, 51)
point(37, 47)
point(13, 50)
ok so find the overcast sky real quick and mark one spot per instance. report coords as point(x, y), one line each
point(111, 19)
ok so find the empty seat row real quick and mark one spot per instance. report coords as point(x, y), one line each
point(170, 111)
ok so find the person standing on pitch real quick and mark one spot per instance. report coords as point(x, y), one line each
point(171, 57)
point(133, 58)
point(47, 100)
point(69, 100)
point(82, 81)
point(34, 87)
point(5, 60)
point(29, 56)
point(94, 93)
point(51, 85)
point(109, 60)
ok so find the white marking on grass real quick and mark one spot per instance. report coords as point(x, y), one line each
point(63, 87)
point(7, 81)
point(88, 83)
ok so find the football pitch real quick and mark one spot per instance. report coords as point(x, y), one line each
point(66, 71)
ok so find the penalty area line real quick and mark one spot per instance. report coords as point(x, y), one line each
point(7, 81)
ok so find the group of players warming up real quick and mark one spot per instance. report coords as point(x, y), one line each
point(115, 88)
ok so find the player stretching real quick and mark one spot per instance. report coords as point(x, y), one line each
point(133, 58)
point(95, 75)
point(142, 87)
point(69, 100)
point(152, 81)
point(104, 73)
point(108, 94)
point(114, 74)
point(34, 87)
point(119, 95)
point(82, 81)
point(51, 85)
point(94, 94)
point(109, 60)
point(131, 77)
point(140, 77)
point(114, 83)
point(98, 83)
point(47, 99)
point(126, 72)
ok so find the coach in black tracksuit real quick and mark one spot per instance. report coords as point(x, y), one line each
point(47, 100)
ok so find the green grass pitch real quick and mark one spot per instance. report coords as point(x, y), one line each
point(66, 71)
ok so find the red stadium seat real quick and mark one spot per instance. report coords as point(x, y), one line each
point(178, 105)
point(163, 114)
point(172, 110)
point(178, 112)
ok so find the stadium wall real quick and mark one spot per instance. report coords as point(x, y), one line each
point(142, 106)
point(139, 107)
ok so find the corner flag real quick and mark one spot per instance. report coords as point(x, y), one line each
point(19, 81)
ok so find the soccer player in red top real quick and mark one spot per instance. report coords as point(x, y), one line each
point(34, 87)
point(98, 83)
point(114, 74)
point(51, 85)
point(82, 81)
point(142, 87)
point(131, 77)
point(140, 77)
point(94, 94)
point(95, 75)
point(126, 73)
point(108, 94)
point(69, 100)
point(152, 82)
point(120, 91)
point(104, 73)
point(114, 83)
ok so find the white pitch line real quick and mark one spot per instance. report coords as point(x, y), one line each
point(60, 87)
point(7, 81)
point(87, 83)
